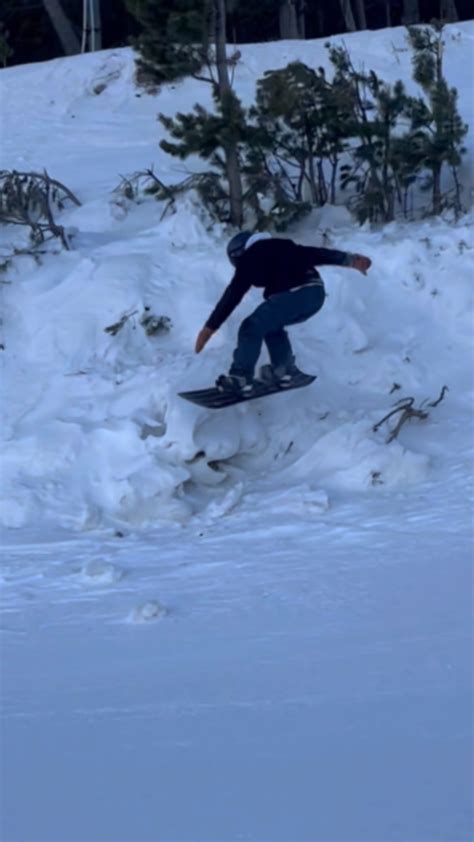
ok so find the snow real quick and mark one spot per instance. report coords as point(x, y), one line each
point(252, 624)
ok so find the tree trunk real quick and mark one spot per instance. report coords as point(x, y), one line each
point(221, 53)
point(388, 14)
point(334, 166)
point(321, 28)
point(411, 12)
point(63, 27)
point(361, 16)
point(300, 14)
point(348, 15)
point(235, 185)
point(225, 90)
point(312, 181)
point(448, 12)
point(96, 28)
point(322, 186)
point(288, 20)
point(437, 202)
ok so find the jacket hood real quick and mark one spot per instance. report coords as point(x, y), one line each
point(255, 238)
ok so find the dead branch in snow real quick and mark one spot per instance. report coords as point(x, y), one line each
point(30, 198)
point(144, 182)
point(441, 396)
point(151, 324)
point(407, 411)
point(117, 326)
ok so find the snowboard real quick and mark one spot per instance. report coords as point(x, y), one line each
point(216, 399)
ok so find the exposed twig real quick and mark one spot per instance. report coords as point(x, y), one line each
point(151, 324)
point(117, 326)
point(441, 396)
point(407, 411)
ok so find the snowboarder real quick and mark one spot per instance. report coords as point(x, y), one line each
point(293, 291)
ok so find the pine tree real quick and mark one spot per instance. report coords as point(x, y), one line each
point(374, 108)
point(289, 103)
point(301, 127)
point(174, 41)
point(179, 38)
point(232, 111)
point(437, 130)
point(210, 136)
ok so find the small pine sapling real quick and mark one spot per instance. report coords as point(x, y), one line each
point(436, 128)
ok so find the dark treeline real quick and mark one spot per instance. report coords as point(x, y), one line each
point(27, 32)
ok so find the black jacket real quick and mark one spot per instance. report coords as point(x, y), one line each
point(277, 265)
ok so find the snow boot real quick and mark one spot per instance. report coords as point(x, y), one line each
point(234, 384)
point(281, 376)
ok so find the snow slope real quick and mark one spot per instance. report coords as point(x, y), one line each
point(250, 624)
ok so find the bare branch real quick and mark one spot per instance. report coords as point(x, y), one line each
point(406, 414)
point(27, 198)
point(117, 326)
point(441, 396)
point(53, 181)
point(407, 411)
point(407, 404)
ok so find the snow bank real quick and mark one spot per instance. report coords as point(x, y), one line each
point(348, 458)
point(94, 432)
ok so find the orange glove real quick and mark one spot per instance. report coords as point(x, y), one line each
point(204, 336)
point(361, 263)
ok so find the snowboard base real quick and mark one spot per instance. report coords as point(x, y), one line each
point(216, 399)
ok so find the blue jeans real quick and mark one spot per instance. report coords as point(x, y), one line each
point(267, 323)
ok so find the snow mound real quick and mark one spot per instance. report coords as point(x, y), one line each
point(98, 573)
point(149, 612)
point(346, 458)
